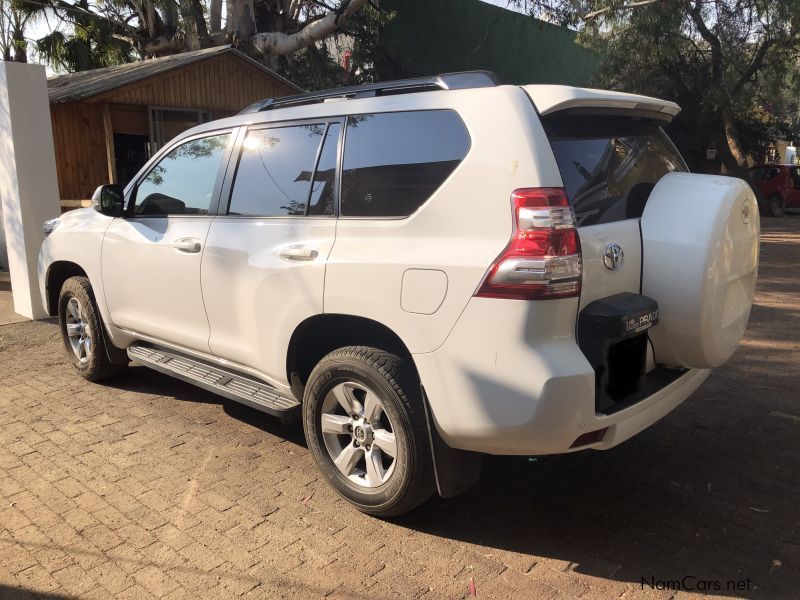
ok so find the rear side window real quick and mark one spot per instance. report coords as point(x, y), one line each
point(609, 165)
point(394, 162)
point(273, 178)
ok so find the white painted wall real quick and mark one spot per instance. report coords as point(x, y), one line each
point(28, 183)
point(3, 253)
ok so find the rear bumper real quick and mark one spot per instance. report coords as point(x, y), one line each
point(627, 423)
point(511, 380)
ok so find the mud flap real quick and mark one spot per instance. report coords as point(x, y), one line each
point(116, 356)
point(456, 470)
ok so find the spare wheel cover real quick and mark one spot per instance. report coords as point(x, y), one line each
point(700, 236)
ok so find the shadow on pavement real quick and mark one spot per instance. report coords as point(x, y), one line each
point(710, 492)
point(146, 381)
point(15, 593)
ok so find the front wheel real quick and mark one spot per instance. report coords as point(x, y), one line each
point(365, 425)
point(82, 331)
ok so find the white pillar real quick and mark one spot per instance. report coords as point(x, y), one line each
point(3, 255)
point(28, 182)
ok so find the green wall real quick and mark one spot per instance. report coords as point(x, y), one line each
point(428, 37)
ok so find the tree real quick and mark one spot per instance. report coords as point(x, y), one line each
point(14, 18)
point(713, 58)
point(279, 32)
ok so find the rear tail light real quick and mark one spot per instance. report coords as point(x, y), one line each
point(543, 258)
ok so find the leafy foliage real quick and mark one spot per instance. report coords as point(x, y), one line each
point(305, 40)
point(15, 16)
point(90, 45)
point(723, 62)
point(322, 66)
point(730, 64)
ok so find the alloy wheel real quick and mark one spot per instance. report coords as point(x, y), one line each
point(79, 330)
point(358, 434)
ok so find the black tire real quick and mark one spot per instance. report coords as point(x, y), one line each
point(775, 205)
point(412, 481)
point(96, 365)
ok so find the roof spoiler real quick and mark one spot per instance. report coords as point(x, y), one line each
point(550, 99)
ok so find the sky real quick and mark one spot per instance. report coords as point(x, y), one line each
point(43, 27)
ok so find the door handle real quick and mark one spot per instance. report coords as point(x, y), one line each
point(189, 245)
point(299, 252)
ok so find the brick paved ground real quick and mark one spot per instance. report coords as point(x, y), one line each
point(7, 314)
point(150, 488)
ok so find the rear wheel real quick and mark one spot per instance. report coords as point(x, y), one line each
point(365, 425)
point(82, 331)
point(776, 208)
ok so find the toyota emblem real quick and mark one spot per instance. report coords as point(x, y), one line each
point(613, 257)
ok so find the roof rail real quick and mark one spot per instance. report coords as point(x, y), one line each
point(446, 81)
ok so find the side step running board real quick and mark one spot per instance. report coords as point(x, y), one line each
point(230, 384)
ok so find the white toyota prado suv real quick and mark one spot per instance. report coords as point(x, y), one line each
point(424, 271)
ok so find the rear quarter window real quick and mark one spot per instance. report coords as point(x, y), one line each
point(394, 162)
point(609, 165)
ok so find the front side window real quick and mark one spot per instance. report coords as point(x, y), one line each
point(275, 171)
point(394, 162)
point(182, 183)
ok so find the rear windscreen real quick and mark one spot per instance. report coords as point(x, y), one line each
point(610, 164)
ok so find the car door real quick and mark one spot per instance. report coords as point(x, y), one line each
point(649, 228)
point(151, 256)
point(263, 270)
point(792, 199)
point(609, 167)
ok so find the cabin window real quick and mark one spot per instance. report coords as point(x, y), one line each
point(166, 123)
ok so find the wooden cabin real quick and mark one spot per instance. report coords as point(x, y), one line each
point(108, 122)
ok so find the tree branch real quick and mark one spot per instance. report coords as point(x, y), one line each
point(754, 67)
point(711, 39)
point(201, 27)
point(281, 44)
point(607, 9)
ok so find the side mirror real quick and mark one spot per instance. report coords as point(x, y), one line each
point(108, 200)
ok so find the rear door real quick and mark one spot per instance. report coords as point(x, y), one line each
point(264, 263)
point(609, 165)
point(647, 227)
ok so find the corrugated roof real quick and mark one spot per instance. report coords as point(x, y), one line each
point(84, 84)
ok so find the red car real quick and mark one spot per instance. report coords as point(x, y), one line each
point(780, 187)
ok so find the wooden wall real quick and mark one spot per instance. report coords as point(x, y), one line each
point(80, 146)
point(222, 84)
